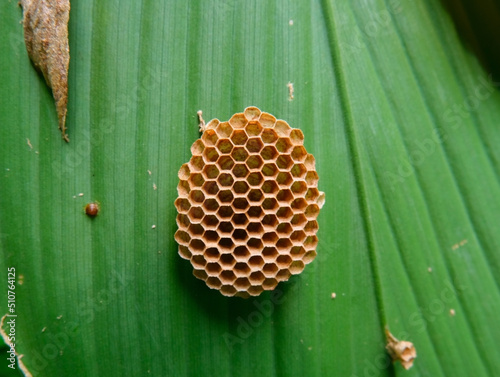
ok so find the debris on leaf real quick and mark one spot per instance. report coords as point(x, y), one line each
point(201, 121)
point(46, 37)
point(400, 350)
point(290, 90)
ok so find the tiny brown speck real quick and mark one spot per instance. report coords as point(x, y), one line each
point(92, 209)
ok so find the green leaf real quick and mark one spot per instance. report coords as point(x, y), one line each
point(402, 121)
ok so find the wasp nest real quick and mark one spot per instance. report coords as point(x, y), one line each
point(248, 202)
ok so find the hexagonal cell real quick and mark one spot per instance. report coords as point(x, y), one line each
point(197, 148)
point(297, 252)
point(240, 205)
point(213, 269)
point(240, 170)
point(269, 136)
point(310, 162)
point(209, 137)
point(257, 277)
point(255, 179)
point(283, 244)
point(226, 260)
point(284, 196)
point(227, 276)
point(211, 236)
point(182, 205)
point(240, 234)
point(284, 229)
point(242, 283)
point(267, 120)
point(299, 153)
point(239, 219)
point(210, 154)
point(254, 145)
point(225, 212)
point(256, 262)
point(225, 162)
point(212, 254)
point(282, 128)
point(241, 253)
point(310, 242)
point(200, 274)
point(225, 179)
point(309, 257)
point(184, 252)
point(224, 146)
point(182, 237)
point(214, 282)
point(196, 163)
point(225, 196)
point(270, 221)
point(182, 221)
point(311, 227)
point(270, 269)
point(241, 269)
point(196, 180)
point(283, 144)
point(211, 205)
point(296, 136)
point(183, 188)
point(255, 196)
point(269, 152)
point(312, 211)
point(297, 237)
point(195, 214)
point(210, 221)
point(239, 137)
point(299, 187)
point(270, 205)
point(198, 261)
point(283, 261)
point(254, 162)
point(225, 227)
point(255, 212)
point(240, 187)
point(228, 290)
point(210, 188)
point(239, 154)
point(296, 267)
point(284, 213)
point(255, 228)
point(212, 125)
point(270, 238)
point(298, 204)
point(270, 169)
point(197, 196)
point(252, 113)
point(269, 187)
point(224, 130)
point(270, 284)
point(254, 243)
point(238, 121)
point(269, 253)
point(284, 162)
point(255, 290)
point(298, 220)
point(312, 194)
point(283, 275)
point(312, 178)
point(284, 179)
point(298, 170)
point(253, 128)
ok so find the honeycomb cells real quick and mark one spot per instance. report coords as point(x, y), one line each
point(247, 205)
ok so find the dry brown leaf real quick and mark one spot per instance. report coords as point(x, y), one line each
point(401, 350)
point(46, 37)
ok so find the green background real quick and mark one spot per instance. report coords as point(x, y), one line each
point(402, 120)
